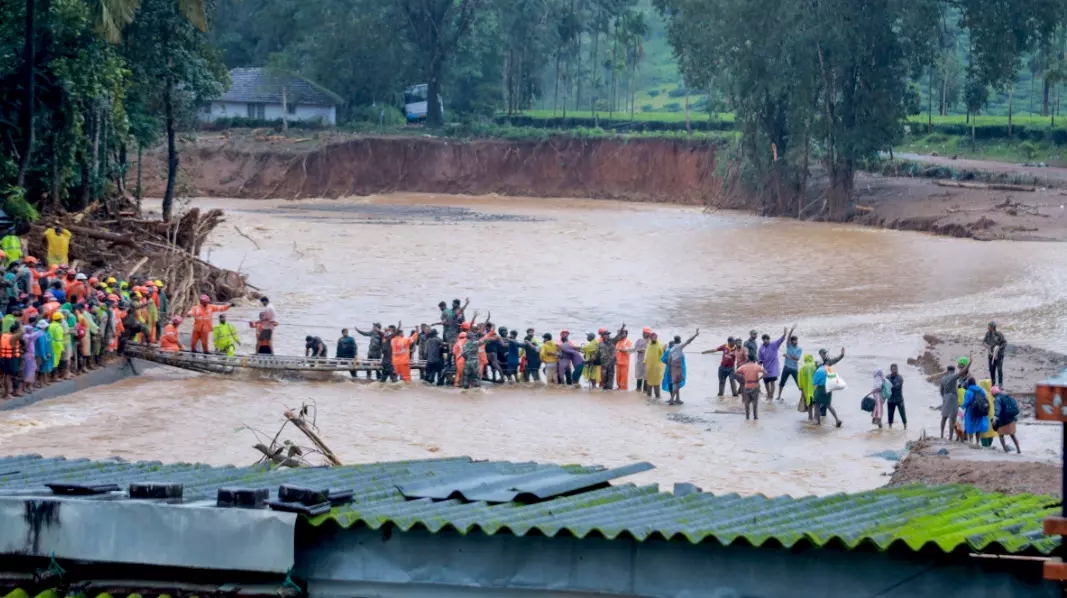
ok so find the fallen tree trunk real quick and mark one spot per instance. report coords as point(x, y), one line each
point(276, 457)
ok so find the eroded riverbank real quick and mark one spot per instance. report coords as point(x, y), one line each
point(579, 264)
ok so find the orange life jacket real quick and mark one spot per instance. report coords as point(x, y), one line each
point(9, 346)
point(170, 341)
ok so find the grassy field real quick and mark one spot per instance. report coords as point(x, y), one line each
point(999, 150)
point(679, 117)
point(667, 117)
point(982, 120)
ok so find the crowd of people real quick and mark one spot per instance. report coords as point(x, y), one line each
point(59, 321)
point(467, 353)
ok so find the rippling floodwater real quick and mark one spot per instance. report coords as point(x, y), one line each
point(581, 265)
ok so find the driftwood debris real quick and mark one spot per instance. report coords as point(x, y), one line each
point(987, 186)
point(169, 251)
point(303, 426)
point(285, 453)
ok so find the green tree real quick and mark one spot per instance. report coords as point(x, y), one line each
point(435, 28)
point(833, 74)
point(175, 69)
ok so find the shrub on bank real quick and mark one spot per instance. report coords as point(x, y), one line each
point(240, 122)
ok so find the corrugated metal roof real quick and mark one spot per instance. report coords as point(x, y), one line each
point(951, 518)
point(498, 487)
point(259, 85)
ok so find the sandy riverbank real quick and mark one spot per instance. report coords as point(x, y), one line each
point(1037, 470)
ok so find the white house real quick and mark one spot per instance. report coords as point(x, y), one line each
point(260, 94)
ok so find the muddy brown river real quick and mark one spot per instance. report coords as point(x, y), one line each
point(581, 265)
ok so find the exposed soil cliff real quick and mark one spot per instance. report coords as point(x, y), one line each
point(647, 170)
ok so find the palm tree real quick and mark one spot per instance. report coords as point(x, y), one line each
point(111, 16)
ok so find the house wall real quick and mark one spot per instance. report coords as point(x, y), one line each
point(327, 114)
point(389, 563)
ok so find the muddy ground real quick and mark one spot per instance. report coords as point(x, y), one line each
point(1024, 366)
point(938, 461)
point(942, 462)
point(983, 214)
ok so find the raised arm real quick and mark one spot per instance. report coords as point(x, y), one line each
point(836, 359)
point(691, 339)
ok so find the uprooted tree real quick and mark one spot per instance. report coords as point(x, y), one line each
point(824, 81)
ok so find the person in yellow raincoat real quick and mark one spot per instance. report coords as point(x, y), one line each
point(59, 339)
point(654, 366)
point(58, 241)
point(590, 369)
point(152, 317)
point(807, 387)
point(225, 337)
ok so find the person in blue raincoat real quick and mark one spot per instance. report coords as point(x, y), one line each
point(976, 421)
point(668, 384)
point(44, 355)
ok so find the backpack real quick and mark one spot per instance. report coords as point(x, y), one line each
point(980, 403)
point(887, 389)
point(1010, 407)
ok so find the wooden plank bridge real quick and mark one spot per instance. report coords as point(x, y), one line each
point(217, 363)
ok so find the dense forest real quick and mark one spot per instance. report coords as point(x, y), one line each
point(87, 84)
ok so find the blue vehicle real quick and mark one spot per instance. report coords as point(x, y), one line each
point(415, 104)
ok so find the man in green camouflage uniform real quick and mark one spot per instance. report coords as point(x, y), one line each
point(606, 352)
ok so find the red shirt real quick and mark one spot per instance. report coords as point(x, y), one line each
point(727, 355)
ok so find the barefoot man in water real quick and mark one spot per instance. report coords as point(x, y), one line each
point(676, 363)
point(750, 374)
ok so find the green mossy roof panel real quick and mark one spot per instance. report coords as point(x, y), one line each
point(949, 518)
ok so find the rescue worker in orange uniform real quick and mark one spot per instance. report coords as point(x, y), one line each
point(457, 353)
point(170, 340)
point(401, 346)
point(623, 348)
point(202, 324)
point(50, 306)
point(11, 359)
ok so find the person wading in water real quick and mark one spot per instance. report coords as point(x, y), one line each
point(676, 367)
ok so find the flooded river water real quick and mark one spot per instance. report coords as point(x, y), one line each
point(581, 265)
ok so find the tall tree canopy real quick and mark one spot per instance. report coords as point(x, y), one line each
point(831, 75)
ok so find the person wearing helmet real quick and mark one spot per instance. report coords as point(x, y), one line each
point(79, 289)
point(170, 340)
point(44, 355)
point(995, 344)
point(59, 342)
point(202, 316)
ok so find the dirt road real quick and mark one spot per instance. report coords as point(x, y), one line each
point(1052, 176)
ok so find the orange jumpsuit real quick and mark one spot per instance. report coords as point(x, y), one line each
point(75, 289)
point(402, 355)
point(622, 365)
point(457, 351)
point(202, 326)
point(119, 328)
point(49, 308)
point(170, 340)
point(36, 290)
